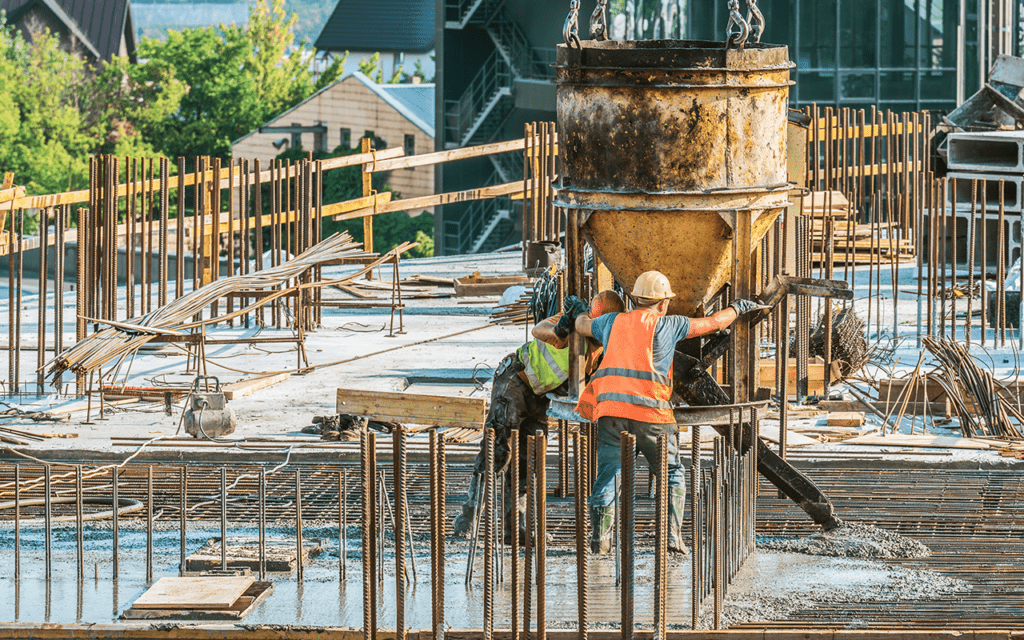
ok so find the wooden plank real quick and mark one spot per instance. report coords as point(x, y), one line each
point(442, 411)
point(845, 419)
point(76, 197)
point(793, 439)
point(245, 387)
point(901, 440)
point(447, 156)
point(208, 592)
point(424, 202)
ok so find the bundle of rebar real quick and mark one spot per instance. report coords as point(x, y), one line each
point(983, 405)
point(184, 314)
point(849, 344)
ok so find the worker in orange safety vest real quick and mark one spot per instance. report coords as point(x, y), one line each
point(632, 389)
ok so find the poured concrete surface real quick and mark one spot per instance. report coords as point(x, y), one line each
point(768, 586)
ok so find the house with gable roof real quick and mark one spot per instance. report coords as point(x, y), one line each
point(95, 29)
point(347, 110)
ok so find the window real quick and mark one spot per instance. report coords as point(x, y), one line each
point(410, 146)
point(346, 138)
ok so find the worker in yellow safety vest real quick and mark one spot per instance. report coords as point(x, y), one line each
point(519, 397)
point(631, 391)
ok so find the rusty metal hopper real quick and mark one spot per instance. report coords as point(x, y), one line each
point(664, 144)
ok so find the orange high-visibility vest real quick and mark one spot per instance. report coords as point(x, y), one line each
point(626, 384)
point(587, 403)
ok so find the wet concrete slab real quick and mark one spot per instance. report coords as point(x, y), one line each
point(768, 586)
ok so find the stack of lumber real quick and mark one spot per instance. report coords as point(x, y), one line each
point(861, 240)
point(513, 313)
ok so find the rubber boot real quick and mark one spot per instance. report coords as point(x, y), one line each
point(676, 502)
point(463, 524)
point(602, 526)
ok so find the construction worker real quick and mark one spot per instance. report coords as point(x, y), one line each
point(632, 389)
point(519, 394)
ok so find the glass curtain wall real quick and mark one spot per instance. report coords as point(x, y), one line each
point(895, 54)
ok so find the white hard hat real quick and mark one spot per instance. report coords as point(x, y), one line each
point(652, 285)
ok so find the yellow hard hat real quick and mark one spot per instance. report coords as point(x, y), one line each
point(652, 285)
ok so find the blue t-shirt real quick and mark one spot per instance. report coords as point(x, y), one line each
point(669, 331)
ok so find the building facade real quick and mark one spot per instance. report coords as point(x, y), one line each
point(347, 110)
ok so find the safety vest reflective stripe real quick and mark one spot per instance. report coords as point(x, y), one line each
point(653, 376)
point(544, 366)
point(631, 399)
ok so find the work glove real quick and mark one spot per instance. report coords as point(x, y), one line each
point(744, 306)
point(573, 307)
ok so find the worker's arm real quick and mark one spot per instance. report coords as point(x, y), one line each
point(712, 324)
point(545, 332)
point(721, 320)
point(583, 323)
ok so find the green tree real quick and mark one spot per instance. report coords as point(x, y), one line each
point(236, 79)
point(371, 69)
point(43, 139)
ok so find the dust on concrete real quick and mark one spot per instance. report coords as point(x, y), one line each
point(851, 540)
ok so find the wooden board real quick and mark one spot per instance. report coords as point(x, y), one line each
point(900, 440)
point(208, 592)
point(845, 419)
point(442, 411)
point(247, 386)
point(255, 594)
point(793, 439)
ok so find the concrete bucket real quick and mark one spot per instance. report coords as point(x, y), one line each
point(666, 146)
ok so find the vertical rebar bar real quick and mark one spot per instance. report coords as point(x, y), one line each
point(531, 533)
point(696, 542)
point(17, 523)
point(369, 534)
point(342, 503)
point(661, 542)
point(299, 563)
point(183, 526)
point(399, 461)
point(116, 521)
point(79, 523)
point(262, 532)
point(223, 519)
point(488, 523)
point(48, 521)
point(149, 524)
point(627, 447)
point(582, 548)
point(513, 513)
point(540, 466)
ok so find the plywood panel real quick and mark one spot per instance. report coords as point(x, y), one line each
point(208, 592)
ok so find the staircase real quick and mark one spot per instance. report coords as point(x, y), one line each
point(481, 112)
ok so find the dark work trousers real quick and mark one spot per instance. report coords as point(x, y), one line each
point(514, 405)
point(609, 459)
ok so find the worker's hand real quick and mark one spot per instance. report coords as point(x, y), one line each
point(744, 306)
point(573, 307)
